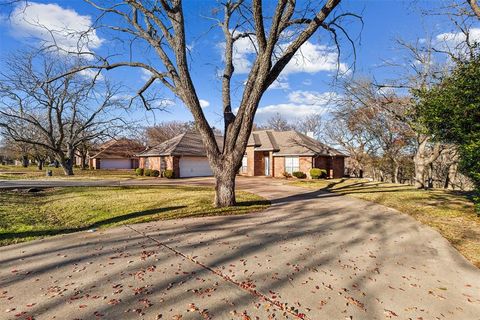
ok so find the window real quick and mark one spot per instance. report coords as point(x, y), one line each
point(244, 164)
point(291, 164)
point(147, 163)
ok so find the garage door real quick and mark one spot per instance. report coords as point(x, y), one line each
point(115, 164)
point(194, 167)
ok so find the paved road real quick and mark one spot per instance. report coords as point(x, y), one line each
point(312, 255)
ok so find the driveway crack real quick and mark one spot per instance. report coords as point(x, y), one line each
point(279, 305)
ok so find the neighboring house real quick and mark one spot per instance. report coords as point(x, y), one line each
point(184, 154)
point(271, 153)
point(116, 154)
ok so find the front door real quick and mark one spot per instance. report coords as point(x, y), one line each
point(267, 165)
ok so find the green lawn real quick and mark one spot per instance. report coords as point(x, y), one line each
point(31, 172)
point(25, 216)
point(449, 212)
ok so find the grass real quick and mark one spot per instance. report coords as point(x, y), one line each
point(449, 212)
point(25, 216)
point(31, 172)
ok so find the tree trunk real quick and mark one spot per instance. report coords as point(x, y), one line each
point(83, 159)
point(24, 161)
point(446, 183)
point(430, 175)
point(67, 167)
point(395, 169)
point(422, 160)
point(419, 173)
point(419, 162)
point(40, 164)
point(224, 189)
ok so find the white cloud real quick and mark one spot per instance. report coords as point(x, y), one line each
point(91, 74)
point(310, 97)
point(307, 82)
point(164, 103)
point(204, 103)
point(459, 37)
point(243, 49)
point(299, 105)
point(313, 58)
point(310, 58)
point(456, 41)
point(145, 74)
point(280, 83)
point(50, 23)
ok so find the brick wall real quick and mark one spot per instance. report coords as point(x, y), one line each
point(278, 166)
point(154, 163)
point(338, 167)
point(175, 165)
point(321, 163)
point(305, 164)
point(250, 161)
point(272, 168)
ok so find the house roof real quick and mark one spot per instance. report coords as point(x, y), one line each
point(284, 143)
point(118, 149)
point(185, 144)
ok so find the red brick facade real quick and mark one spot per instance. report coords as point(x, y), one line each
point(161, 164)
point(256, 164)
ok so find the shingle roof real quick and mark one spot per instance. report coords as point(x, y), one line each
point(185, 144)
point(118, 149)
point(290, 143)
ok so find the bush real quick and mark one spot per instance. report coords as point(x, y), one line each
point(299, 175)
point(147, 172)
point(139, 171)
point(286, 175)
point(155, 173)
point(316, 173)
point(168, 174)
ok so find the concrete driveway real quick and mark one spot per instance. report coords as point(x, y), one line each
point(311, 255)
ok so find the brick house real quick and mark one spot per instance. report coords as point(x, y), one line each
point(271, 153)
point(184, 154)
point(115, 154)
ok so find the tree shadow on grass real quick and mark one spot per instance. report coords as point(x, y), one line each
point(9, 236)
point(251, 203)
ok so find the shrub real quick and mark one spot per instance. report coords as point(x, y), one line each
point(155, 173)
point(316, 173)
point(147, 172)
point(168, 174)
point(286, 175)
point(139, 171)
point(299, 174)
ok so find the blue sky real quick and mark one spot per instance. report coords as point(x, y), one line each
point(305, 87)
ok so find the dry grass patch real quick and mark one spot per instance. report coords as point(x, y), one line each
point(449, 212)
point(25, 215)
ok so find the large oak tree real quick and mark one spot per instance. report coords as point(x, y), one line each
point(277, 36)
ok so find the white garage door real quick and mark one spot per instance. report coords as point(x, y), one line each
point(115, 164)
point(194, 167)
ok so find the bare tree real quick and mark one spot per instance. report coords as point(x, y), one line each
point(475, 7)
point(312, 123)
point(370, 112)
point(276, 122)
point(277, 37)
point(57, 115)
